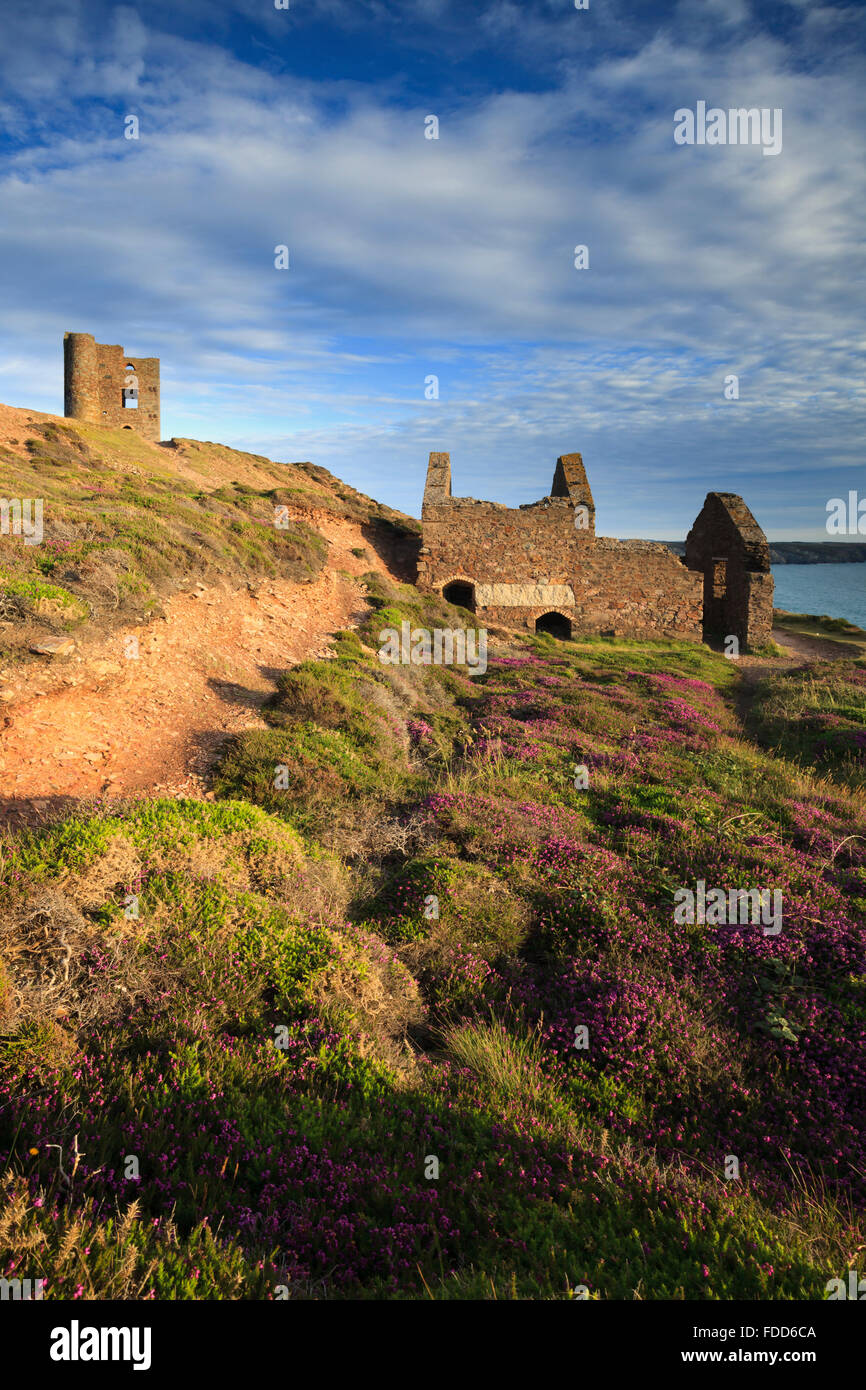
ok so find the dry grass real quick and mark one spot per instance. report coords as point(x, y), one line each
point(22, 1241)
point(372, 995)
point(58, 965)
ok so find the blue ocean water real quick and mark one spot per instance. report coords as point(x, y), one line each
point(839, 591)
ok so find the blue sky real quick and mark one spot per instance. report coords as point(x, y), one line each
point(454, 257)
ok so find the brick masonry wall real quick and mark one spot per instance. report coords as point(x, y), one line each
point(629, 588)
point(625, 589)
point(490, 544)
point(638, 589)
point(757, 604)
point(528, 561)
point(94, 378)
point(728, 548)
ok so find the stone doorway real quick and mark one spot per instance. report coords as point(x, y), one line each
point(555, 625)
point(460, 593)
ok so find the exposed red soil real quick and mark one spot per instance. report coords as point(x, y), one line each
point(115, 726)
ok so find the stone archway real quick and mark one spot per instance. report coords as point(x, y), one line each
point(555, 625)
point(460, 592)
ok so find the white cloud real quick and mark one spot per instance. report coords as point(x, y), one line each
point(411, 255)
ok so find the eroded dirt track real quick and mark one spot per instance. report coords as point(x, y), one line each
point(119, 725)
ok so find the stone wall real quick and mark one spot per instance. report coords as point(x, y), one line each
point(545, 557)
point(638, 589)
point(619, 588)
point(484, 542)
point(536, 544)
point(95, 377)
point(727, 547)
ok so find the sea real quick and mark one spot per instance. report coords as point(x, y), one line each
point(837, 591)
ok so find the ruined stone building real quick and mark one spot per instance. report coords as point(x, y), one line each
point(541, 566)
point(103, 385)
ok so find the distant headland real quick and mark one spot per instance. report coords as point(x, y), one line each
point(805, 552)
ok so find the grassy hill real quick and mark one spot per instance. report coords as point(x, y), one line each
point(127, 523)
point(406, 1011)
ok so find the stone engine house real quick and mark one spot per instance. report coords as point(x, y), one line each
point(103, 385)
point(542, 566)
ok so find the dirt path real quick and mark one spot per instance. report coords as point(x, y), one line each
point(814, 648)
point(799, 649)
point(127, 725)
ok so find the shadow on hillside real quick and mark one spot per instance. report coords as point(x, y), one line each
point(235, 694)
point(398, 550)
point(28, 812)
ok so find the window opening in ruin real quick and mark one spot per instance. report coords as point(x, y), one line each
point(555, 625)
point(460, 593)
point(130, 388)
point(720, 578)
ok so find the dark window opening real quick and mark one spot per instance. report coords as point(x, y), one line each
point(130, 388)
point(460, 593)
point(555, 625)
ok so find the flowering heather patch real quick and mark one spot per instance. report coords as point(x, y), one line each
point(419, 730)
point(498, 984)
point(498, 830)
point(336, 1197)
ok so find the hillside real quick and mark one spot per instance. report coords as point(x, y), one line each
point(386, 993)
point(168, 596)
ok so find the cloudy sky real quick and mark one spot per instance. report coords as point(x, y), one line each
point(412, 258)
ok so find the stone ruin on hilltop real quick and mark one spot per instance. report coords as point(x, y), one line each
point(541, 565)
point(103, 385)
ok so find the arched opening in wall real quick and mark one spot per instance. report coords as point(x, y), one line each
point(127, 427)
point(555, 625)
point(461, 593)
point(130, 389)
point(716, 596)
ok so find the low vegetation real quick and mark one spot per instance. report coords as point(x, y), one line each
point(406, 1011)
point(839, 630)
point(815, 715)
point(126, 523)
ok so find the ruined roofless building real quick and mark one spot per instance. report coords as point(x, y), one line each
point(103, 385)
point(542, 566)
point(728, 547)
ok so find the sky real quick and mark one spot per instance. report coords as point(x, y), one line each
point(412, 258)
